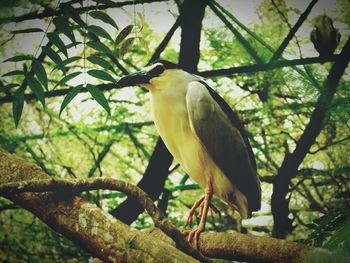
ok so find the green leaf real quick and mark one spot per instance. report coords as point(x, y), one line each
point(106, 2)
point(56, 40)
point(103, 17)
point(69, 97)
point(37, 89)
point(7, 87)
point(126, 46)
point(13, 73)
point(67, 78)
point(40, 72)
point(99, 31)
point(63, 26)
point(69, 11)
point(99, 97)
point(52, 54)
point(99, 47)
point(99, 74)
point(17, 105)
point(123, 34)
point(66, 62)
point(29, 30)
point(101, 62)
point(18, 58)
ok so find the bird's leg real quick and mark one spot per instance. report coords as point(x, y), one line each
point(198, 203)
point(194, 234)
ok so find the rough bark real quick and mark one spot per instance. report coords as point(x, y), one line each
point(289, 168)
point(87, 225)
point(112, 241)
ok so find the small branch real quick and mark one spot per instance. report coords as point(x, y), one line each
point(292, 32)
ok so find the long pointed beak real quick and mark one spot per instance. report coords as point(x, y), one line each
point(141, 77)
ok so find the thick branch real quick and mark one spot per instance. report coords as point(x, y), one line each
point(291, 162)
point(232, 246)
point(87, 225)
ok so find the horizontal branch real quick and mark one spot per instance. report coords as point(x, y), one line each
point(207, 74)
point(232, 246)
point(48, 12)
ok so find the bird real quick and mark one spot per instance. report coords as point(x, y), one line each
point(204, 135)
point(324, 36)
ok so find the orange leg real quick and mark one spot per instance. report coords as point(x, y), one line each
point(204, 202)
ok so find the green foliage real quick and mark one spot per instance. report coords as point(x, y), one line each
point(332, 231)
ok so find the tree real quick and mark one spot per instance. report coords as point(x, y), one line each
point(295, 111)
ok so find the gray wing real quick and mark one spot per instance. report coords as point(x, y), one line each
point(223, 141)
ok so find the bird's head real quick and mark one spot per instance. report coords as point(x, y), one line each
point(154, 74)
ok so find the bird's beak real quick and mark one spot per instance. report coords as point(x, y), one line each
point(141, 77)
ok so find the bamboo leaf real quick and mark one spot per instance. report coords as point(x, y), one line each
point(40, 72)
point(18, 58)
point(66, 62)
point(29, 30)
point(123, 34)
point(103, 17)
point(69, 97)
point(101, 62)
point(63, 26)
point(99, 97)
point(99, 31)
point(99, 47)
point(99, 74)
point(52, 55)
point(126, 46)
point(56, 40)
point(69, 11)
point(67, 78)
point(37, 89)
point(17, 105)
point(13, 73)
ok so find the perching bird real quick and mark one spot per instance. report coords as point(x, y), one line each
point(204, 135)
point(324, 37)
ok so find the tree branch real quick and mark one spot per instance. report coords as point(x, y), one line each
point(291, 162)
point(292, 32)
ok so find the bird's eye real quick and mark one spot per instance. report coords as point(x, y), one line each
point(156, 71)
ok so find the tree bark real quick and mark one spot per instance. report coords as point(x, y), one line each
point(84, 223)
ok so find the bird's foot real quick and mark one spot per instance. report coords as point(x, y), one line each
point(193, 234)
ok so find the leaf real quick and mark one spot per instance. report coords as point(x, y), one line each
point(40, 72)
point(17, 105)
point(100, 74)
point(99, 31)
point(56, 40)
point(99, 47)
point(13, 73)
point(106, 2)
point(67, 78)
point(103, 17)
point(37, 89)
point(99, 97)
point(69, 11)
point(18, 58)
point(7, 87)
point(66, 62)
point(69, 97)
point(52, 54)
point(123, 34)
point(63, 26)
point(101, 62)
point(29, 30)
point(125, 46)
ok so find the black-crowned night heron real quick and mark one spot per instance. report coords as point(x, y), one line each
point(324, 37)
point(204, 135)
